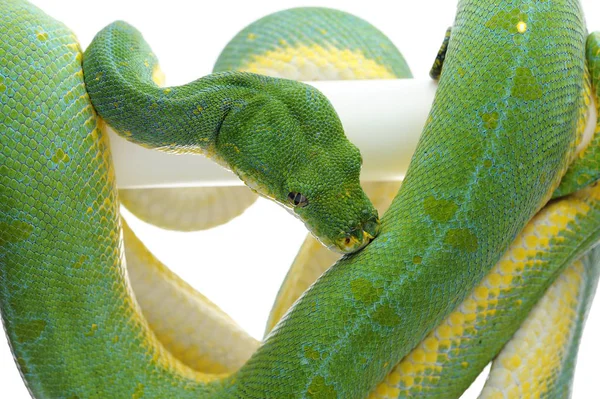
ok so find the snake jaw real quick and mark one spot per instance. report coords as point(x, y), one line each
point(358, 237)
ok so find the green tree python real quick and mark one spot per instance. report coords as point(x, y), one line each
point(469, 258)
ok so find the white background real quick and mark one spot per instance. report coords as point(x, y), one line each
point(241, 265)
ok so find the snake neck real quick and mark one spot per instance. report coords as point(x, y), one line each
point(122, 79)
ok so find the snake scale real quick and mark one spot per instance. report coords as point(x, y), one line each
point(465, 251)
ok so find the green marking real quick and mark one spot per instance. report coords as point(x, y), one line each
point(386, 316)
point(30, 331)
point(525, 85)
point(439, 210)
point(450, 157)
point(319, 389)
point(312, 353)
point(364, 291)
point(490, 120)
point(462, 239)
point(14, 232)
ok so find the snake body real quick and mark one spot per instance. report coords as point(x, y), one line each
point(488, 160)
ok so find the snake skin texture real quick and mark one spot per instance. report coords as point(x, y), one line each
point(187, 208)
point(503, 128)
point(584, 170)
point(187, 324)
point(295, 121)
point(451, 356)
point(539, 362)
point(313, 259)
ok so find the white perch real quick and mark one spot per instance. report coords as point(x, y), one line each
point(384, 118)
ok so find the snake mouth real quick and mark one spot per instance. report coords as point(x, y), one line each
point(359, 236)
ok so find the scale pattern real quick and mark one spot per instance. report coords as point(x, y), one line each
point(64, 231)
point(296, 143)
point(191, 327)
point(187, 208)
point(449, 359)
point(585, 169)
point(313, 43)
point(487, 161)
point(538, 362)
point(313, 259)
point(405, 283)
point(217, 344)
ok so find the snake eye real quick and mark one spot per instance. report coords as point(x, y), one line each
point(297, 199)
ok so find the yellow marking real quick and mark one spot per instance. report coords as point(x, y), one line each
point(251, 36)
point(531, 361)
point(158, 77)
point(316, 60)
point(42, 36)
point(80, 262)
point(139, 392)
point(191, 356)
point(587, 128)
point(235, 147)
point(522, 27)
point(60, 156)
point(92, 331)
point(427, 361)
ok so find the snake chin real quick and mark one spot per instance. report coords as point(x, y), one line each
point(348, 241)
point(358, 238)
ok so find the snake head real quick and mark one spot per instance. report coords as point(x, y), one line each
point(337, 212)
point(287, 144)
